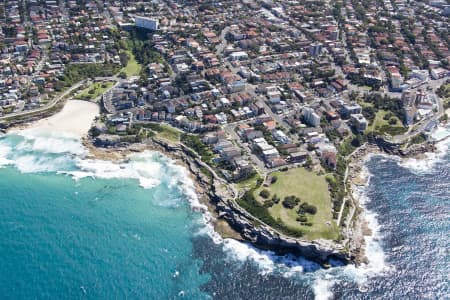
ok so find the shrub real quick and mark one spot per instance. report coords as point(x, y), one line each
point(265, 194)
point(259, 181)
point(290, 202)
point(387, 116)
point(269, 203)
point(302, 219)
point(392, 121)
point(273, 179)
point(276, 199)
point(307, 208)
point(249, 203)
point(418, 139)
point(94, 131)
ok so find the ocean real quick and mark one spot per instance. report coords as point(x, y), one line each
point(77, 228)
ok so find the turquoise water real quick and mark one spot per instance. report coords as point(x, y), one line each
point(76, 228)
point(92, 238)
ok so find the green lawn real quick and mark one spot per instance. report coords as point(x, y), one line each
point(165, 132)
point(383, 126)
point(133, 68)
point(94, 90)
point(248, 183)
point(445, 94)
point(169, 133)
point(310, 188)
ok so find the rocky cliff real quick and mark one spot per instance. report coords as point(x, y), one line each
point(250, 229)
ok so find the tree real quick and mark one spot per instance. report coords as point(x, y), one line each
point(265, 194)
point(273, 179)
point(308, 162)
point(124, 58)
point(392, 121)
point(290, 202)
point(307, 208)
point(122, 75)
point(302, 219)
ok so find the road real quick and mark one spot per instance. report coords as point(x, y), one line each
point(49, 105)
point(259, 164)
point(223, 41)
point(58, 98)
point(250, 88)
point(423, 124)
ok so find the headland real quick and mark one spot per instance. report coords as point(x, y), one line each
point(221, 196)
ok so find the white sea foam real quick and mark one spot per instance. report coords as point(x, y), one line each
point(322, 280)
point(42, 150)
point(145, 172)
point(4, 152)
point(29, 163)
point(441, 133)
point(376, 265)
point(427, 163)
point(322, 288)
point(242, 252)
point(38, 150)
point(151, 169)
point(424, 164)
point(268, 261)
point(287, 266)
point(46, 141)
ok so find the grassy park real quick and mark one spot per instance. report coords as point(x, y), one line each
point(165, 132)
point(249, 182)
point(386, 122)
point(133, 68)
point(308, 187)
point(169, 133)
point(94, 90)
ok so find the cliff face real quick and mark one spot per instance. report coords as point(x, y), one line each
point(394, 149)
point(265, 238)
point(261, 236)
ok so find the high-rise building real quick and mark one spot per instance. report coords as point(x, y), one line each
point(310, 117)
point(408, 98)
point(147, 23)
point(315, 49)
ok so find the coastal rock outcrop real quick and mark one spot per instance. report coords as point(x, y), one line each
point(222, 197)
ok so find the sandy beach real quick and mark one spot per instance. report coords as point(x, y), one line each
point(75, 118)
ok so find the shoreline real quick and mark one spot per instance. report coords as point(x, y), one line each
point(74, 119)
point(217, 199)
point(121, 153)
point(227, 219)
point(360, 178)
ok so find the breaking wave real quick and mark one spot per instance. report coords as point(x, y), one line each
point(37, 150)
point(321, 280)
point(430, 159)
point(41, 151)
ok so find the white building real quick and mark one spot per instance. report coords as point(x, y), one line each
point(280, 136)
point(270, 153)
point(438, 73)
point(147, 23)
point(396, 80)
point(310, 117)
point(238, 55)
point(359, 122)
point(420, 74)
